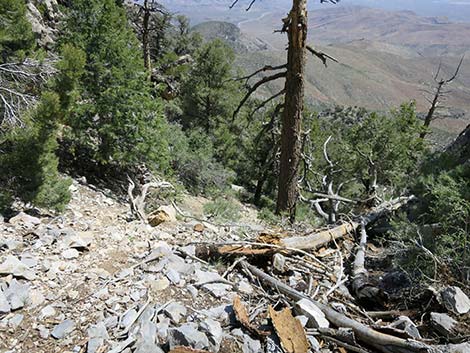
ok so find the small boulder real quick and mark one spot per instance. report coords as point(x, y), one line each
point(455, 300)
point(24, 219)
point(443, 324)
point(279, 263)
point(17, 294)
point(175, 311)
point(316, 318)
point(164, 214)
point(187, 335)
point(63, 329)
point(199, 227)
point(13, 266)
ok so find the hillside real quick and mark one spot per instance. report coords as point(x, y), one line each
point(385, 58)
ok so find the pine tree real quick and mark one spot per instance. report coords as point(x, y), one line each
point(16, 36)
point(116, 117)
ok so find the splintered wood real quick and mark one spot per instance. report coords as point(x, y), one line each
point(290, 331)
point(242, 316)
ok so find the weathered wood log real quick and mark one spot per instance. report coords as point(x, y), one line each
point(382, 342)
point(362, 288)
point(316, 240)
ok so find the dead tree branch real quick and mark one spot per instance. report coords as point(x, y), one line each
point(257, 85)
point(138, 202)
point(321, 55)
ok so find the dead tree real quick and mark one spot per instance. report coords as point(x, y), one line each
point(328, 195)
point(18, 84)
point(438, 95)
point(295, 25)
point(147, 9)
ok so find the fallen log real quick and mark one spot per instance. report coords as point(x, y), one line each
point(317, 240)
point(362, 288)
point(380, 341)
point(289, 244)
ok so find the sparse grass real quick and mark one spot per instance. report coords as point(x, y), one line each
point(222, 209)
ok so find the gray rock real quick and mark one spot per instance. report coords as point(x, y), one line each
point(193, 291)
point(173, 276)
point(15, 321)
point(459, 348)
point(128, 318)
point(455, 300)
point(147, 342)
point(223, 314)
point(47, 311)
point(97, 334)
point(443, 324)
point(70, 254)
point(218, 290)
point(250, 345)
point(244, 287)
point(316, 318)
point(17, 294)
point(4, 304)
point(25, 219)
point(44, 333)
point(404, 323)
point(13, 266)
point(63, 329)
point(279, 263)
point(29, 260)
point(175, 311)
point(303, 320)
point(214, 333)
point(188, 335)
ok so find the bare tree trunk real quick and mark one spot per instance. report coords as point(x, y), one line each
point(430, 115)
point(293, 109)
point(146, 38)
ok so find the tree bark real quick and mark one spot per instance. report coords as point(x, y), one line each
point(293, 109)
point(430, 115)
point(146, 38)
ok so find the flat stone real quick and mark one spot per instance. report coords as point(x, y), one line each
point(250, 345)
point(458, 348)
point(15, 321)
point(404, 323)
point(175, 311)
point(25, 219)
point(214, 333)
point(218, 290)
point(4, 304)
point(61, 330)
point(173, 276)
point(29, 260)
point(97, 334)
point(443, 324)
point(129, 317)
point(159, 285)
point(70, 254)
point(303, 320)
point(455, 300)
point(17, 294)
point(316, 318)
point(187, 335)
point(13, 266)
point(47, 311)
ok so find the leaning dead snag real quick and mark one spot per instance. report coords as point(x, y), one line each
point(438, 95)
point(380, 341)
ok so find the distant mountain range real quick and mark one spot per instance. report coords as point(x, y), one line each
point(385, 57)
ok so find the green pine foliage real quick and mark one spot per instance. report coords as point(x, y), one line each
point(16, 36)
point(115, 116)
